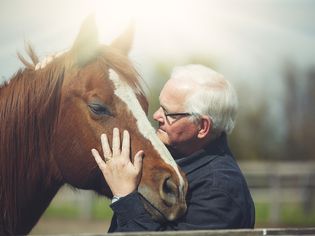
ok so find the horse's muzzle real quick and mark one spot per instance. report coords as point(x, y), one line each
point(168, 202)
point(173, 197)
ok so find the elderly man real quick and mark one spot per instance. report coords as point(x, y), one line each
point(197, 110)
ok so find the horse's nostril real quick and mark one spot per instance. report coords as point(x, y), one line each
point(169, 192)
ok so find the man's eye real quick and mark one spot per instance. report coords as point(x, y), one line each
point(174, 117)
point(99, 109)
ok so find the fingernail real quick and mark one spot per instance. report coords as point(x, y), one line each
point(116, 130)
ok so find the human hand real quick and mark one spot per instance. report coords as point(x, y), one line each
point(121, 175)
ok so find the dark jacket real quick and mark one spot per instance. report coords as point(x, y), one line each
point(218, 196)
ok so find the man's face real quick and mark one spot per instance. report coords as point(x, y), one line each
point(176, 131)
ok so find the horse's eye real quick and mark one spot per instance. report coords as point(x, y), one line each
point(99, 109)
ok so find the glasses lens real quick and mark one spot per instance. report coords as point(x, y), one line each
point(172, 117)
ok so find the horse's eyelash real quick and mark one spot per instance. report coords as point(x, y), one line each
point(97, 107)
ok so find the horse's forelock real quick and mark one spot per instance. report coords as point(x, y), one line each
point(112, 58)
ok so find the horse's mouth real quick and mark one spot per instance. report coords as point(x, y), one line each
point(155, 213)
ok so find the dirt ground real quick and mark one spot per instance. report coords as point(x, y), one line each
point(61, 226)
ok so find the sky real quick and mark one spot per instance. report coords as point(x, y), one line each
point(250, 40)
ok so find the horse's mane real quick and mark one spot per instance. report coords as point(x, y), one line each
point(29, 107)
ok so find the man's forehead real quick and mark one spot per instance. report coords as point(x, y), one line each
point(172, 100)
point(181, 83)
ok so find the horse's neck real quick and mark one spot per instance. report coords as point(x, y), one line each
point(31, 201)
point(41, 189)
point(34, 206)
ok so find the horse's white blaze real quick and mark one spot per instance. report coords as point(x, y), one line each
point(128, 96)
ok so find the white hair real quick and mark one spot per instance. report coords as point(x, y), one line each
point(210, 94)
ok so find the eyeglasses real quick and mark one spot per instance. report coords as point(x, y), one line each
point(174, 116)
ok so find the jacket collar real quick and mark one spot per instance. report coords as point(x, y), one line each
point(200, 158)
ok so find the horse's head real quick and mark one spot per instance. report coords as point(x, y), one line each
point(101, 91)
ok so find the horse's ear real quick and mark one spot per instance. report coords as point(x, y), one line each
point(124, 41)
point(86, 43)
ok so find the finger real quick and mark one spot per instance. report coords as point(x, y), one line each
point(138, 161)
point(116, 142)
point(125, 149)
point(101, 164)
point(105, 146)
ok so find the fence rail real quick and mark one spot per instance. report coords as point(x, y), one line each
point(255, 232)
point(270, 182)
point(281, 182)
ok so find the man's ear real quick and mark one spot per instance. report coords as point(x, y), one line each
point(204, 127)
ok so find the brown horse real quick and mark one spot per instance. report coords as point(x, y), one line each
point(52, 117)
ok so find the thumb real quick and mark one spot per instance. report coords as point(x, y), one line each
point(138, 160)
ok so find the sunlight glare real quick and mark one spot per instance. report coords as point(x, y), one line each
point(113, 16)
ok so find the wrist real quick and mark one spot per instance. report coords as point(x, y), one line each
point(123, 192)
point(115, 198)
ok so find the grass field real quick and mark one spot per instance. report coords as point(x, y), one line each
point(290, 214)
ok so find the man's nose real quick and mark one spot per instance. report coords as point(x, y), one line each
point(158, 115)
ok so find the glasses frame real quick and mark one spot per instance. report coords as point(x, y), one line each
point(178, 114)
point(173, 114)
